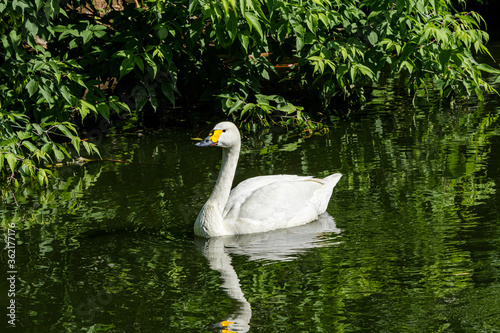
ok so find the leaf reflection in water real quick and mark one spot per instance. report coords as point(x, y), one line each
point(278, 245)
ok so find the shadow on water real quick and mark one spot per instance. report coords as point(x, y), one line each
point(277, 245)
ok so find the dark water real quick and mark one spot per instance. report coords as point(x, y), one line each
point(411, 241)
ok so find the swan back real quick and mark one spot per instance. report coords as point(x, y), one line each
point(280, 201)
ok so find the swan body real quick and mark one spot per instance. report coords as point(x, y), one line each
point(258, 204)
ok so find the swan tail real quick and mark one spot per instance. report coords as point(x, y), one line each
point(332, 180)
point(325, 194)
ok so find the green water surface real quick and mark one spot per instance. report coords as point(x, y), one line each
point(411, 241)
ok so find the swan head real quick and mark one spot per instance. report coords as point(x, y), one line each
point(224, 135)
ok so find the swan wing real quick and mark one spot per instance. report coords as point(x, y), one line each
point(273, 202)
point(244, 189)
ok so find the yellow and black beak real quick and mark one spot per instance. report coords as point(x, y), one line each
point(211, 140)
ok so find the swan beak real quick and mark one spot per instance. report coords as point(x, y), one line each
point(211, 140)
point(207, 142)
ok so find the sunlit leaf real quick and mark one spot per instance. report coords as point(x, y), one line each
point(32, 87)
point(12, 161)
point(28, 144)
point(373, 38)
point(127, 65)
point(64, 130)
point(58, 154)
point(75, 141)
point(254, 22)
point(487, 68)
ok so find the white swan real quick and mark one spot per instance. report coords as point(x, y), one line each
point(257, 204)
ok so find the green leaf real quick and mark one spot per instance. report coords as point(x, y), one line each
point(409, 66)
point(42, 177)
point(47, 148)
point(162, 33)
point(87, 147)
point(299, 43)
point(71, 127)
point(9, 142)
point(138, 61)
point(55, 66)
point(87, 36)
point(152, 97)
point(12, 161)
point(373, 38)
point(46, 95)
point(126, 66)
point(90, 148)
point(28, 144)
point(22, 135)
point(233, 4)
point(298, 28)
point(26, 167)
point(364, 69)
point(61, 148)
point(85, 108)
point(78, 79)
point(236, 106)
point(265, 74)
point(312, 22)
point(373, 14)
point(289, 108)
point(244, 38)
point(193, 4)
point(66, 93)
point(75, 141)
point(122, 106)
point(64, 130)
point(103, 110)
point(141, 97)
point(88, 105)
point(225, 5)
point(232, 27)
point(32, 87)
point(51, 8)
point(37, 128)
point(168, 92)
point(246, 108)
point(58, 154)
point(444, 58)
point(253, 21)
point(487, 68)
point(324, 19)
point(73, 44)
point(151, 63)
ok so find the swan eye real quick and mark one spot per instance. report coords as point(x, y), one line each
point(224, 130)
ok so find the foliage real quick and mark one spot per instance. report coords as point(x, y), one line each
point(341, 46)
point(42, 91)
point(65, 61)
point(24, 145)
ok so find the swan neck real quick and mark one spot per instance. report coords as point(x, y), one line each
point(222, 188)
point(210, 221)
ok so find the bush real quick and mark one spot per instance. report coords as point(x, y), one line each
point(64, 61)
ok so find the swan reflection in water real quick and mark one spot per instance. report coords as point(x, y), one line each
point(278, 245)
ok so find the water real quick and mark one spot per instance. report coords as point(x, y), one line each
point(411, 241)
